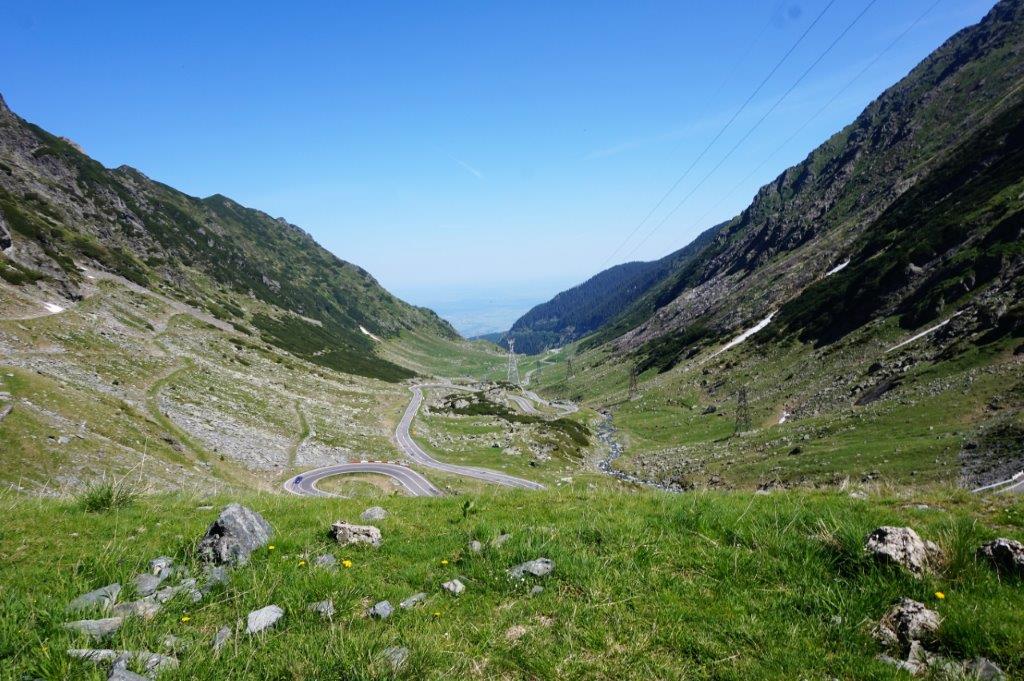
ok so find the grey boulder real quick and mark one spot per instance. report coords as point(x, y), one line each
point(96, 629)
point(413, 601)
point(904, 547)
point(455, 587)
point(233, 536)
point(538, 567)
point(326, 561)
point(396, 657)
point(151, 662)
point(324, 608)
point(380, 611)
point(146, 584)
point(374, 513)
point(264, 618)
point(102, 598)
point(161, 566)
point(144, 608)
point(1005, 555)
point(346, 533)
point(907, 622)
point(220, 639)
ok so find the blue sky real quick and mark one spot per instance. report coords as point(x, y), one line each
point(460, 151)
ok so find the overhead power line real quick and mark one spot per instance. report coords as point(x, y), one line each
point(756, 125)
point(721, 132)
point(839, 93)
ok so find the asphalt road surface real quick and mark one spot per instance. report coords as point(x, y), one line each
point(416, 484)
point(413, 482)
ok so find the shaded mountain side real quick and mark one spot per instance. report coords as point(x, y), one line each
point(60, 208)
point(823, 211)
point(585, 308)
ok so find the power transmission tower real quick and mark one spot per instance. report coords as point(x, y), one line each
point(513, 365)
point(632, 381)
point(742, 412)
point(569, 373)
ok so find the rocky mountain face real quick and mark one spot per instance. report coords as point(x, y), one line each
point(913, 209)
point(585, 308)
point(61, 210)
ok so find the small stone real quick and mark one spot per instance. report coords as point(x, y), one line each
point(325, 561)
point(501, 539)
point(146, 584)
point(902, 546)
point(171, 642)
point(120, 674)
point(515, 632)
point(454, 587)
point(984, 669)
point(374, 513)
point(346, 533)
point(119, 659)
point(907, 622)
point(324, 608)
point(475, 547)
point(102, 598)
point(396, 657)
point(160, 565)
point(96, 629)
point(413, 601)
point(537, 590)
point(263, 618)
point(380, 611)
point(221, 638)
point(145, 608)
point(1005, 555)
point(538, 567)
point(859, 495)
point(233, 536)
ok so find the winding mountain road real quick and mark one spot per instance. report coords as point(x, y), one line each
point(417, 485)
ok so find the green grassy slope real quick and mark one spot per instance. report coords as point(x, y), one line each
point(699, 586)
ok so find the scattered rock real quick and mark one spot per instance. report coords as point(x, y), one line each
point(161, 565)
point(346, 533)
point(380, 611)
point(96, 629)
point(215, 576)
point(171, 642)
point(902, 546)
point(151, 662)
point(325, 561)
point(396, 657)
point(906, 622)
point(983, 669)
point(374, 513)
point(710, 409)
point(324, 608)
point(119, 674)
point(515, 632)
point(859, 495)
point(475, 547)
point(1005, 555)
point(539, 567)
point(102, 598)
point(263, 618)
point(537, 590)
point(413, 601)
point(501, 539)
point(234, 535)
point(221, 638)
point(454, 587)
point(145, 608)
point(146, 584)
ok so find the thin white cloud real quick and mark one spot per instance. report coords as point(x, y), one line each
point(468, 168)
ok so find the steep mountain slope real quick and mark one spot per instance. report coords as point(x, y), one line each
point(585, 308)
point(841, 203)
point(60, 209)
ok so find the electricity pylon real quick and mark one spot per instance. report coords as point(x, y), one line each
point(513, 365)
point(632, 381)
point(742, 412)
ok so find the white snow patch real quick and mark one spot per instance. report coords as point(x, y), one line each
point(925, 332)
point(785, 416)
point(51, 307)
point(743, 336)
point(366, 331)
point(837, 267)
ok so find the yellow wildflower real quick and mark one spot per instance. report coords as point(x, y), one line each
point(185, 618)
point(270, 548)
point(301, 563)
point(346, 563)
point(444, 561)
point(941, 596)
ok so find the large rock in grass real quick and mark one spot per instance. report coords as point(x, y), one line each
point(97, 629)
point(374, 513)
point(538, 567)
point(153, 663)
point(347, 533)
point(234, 535)
point(904, 547)
point(906, 622)
point(264, 618)
point(1005, 555)
point(102, 598)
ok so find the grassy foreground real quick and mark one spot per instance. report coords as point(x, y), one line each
point(700, 585)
